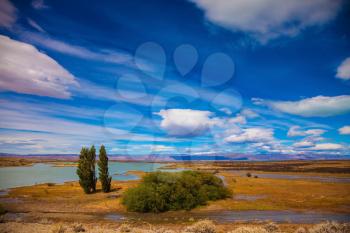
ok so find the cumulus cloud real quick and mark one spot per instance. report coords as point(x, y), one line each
point(319, 106)
point(251, 135)
point(345, 130)
point(186, 122)
point(8, 14)
point(25, 70)
point(268, 19)
point(326, 147)
point(296, 131)
point(343, 71)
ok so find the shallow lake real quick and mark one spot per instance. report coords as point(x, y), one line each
point(11, 177)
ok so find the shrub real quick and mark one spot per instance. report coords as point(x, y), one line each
point(272, 227)
point(249, 174)
point(204, 226)
point(301, 230)
point(124, 228)
point(249, 230)
point(330, 227)
point(59, 229)
point(2, 210)
point(78, 228)
point(163, 191)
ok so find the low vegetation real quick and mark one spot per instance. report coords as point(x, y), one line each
point(2, 210)
point(204, 226)
point(164, 191)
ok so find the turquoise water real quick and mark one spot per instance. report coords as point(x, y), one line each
point(11, 177)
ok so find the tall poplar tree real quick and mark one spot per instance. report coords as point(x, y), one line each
point(84, 171)
point(92, 161)
point(104, 177)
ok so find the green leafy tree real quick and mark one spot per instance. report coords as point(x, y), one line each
point(86, 169)
point(104, 177)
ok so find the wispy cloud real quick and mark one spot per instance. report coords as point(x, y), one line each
point(297, 131)
point(61, 127)
point(39, 4)
point(35, 25)
point(345, 130)
point(319, 106)
point(343, 71)
point(8, 14)
point(103, 55)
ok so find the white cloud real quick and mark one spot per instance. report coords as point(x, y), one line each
point(239, 119)
point(345, 130)
point(187, 122)
point(39, 4)
point(8, 14)
point(303, 144)
point(296, 131)
point(160, 148)
point(343, 71)
point(326, 146)
point(251, 135)
point(249, 113)
point(227, 111)
point(117, 57)
point(26, 70)
point(268, 19)
point(319, 106)
point(49, 127)
point(35, 25)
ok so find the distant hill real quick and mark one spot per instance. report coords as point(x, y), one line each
point(189, 157)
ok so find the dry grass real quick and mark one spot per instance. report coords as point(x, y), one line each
point(67, 197)
point(283, 194)
point(249, 230)
point(277, 194)
point(204, 226)
point(330, 227)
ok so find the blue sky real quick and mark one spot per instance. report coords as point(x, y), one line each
point(175, 77)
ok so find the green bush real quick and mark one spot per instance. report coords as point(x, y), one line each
point(163, 191)
point(2, 210)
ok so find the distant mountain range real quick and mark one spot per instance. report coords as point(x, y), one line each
point(189, 157)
